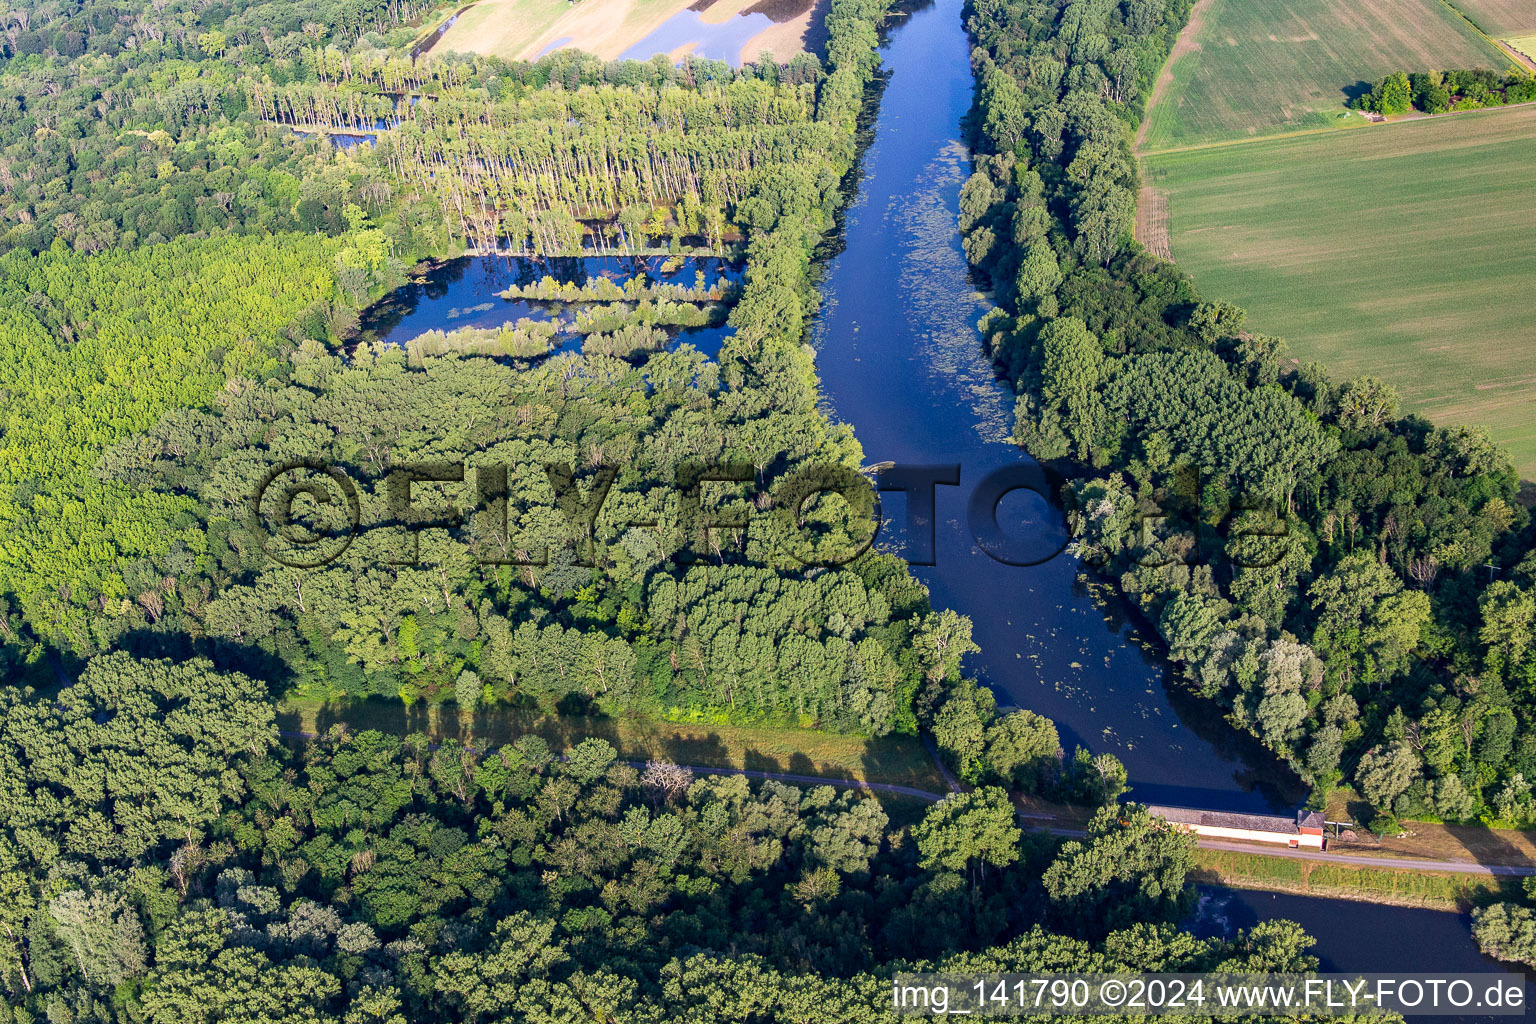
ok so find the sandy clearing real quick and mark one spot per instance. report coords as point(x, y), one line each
point(722, 10)
point(805, 33)
point(606, 27)
point(520, 29)
point(500, 27)
point(523, 29)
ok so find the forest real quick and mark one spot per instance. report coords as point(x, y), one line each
point(182, 282)
point(1436, 92)
point(123, 125)
point(135, 534)
point(165, 858)
point(214, 874)
point(1355, 587)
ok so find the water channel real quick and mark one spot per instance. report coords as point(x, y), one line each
point(901, 360)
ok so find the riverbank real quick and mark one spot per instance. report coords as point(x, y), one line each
point(1402, 876)
point(1405, 886)
point(805, 756)
point(1434, 839)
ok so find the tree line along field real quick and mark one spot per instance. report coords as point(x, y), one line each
point(1523, 45)
point(1249, 68)
point(1401, 252)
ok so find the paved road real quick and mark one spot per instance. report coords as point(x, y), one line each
point(1459, 866)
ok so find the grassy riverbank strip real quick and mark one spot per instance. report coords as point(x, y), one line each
point(1402, 887)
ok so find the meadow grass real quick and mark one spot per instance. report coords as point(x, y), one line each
point(1260, 67)
point(1401, 251)
point(502, 28)
point(902, 760)
point(1399, 886)
point(1525, 44)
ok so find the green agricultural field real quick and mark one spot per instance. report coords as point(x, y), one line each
point(1402, 251)
point(1502, 18)
point(1524, 45)
point(1246, 68)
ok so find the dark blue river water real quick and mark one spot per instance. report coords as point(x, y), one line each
point(901, 360)
point(464, 293)
point(1363, 937)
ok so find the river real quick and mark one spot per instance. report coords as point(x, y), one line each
point(1360, 937)
point(901, 361)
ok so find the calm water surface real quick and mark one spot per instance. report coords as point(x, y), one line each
point(1362, 937)
point(901, 360)
point(720, 40)
point(464, 293)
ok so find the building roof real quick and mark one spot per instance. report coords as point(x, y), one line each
point(1309, 819)
point(1227, 819)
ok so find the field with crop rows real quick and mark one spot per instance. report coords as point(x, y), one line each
point(1259, 67)
point(1502, 18)
point(1401, 251)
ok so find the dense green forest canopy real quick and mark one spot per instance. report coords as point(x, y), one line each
point(164, 859)
point(94, 347)
point(231, 298)
point(1356, 587)
point(631, 618)
point(181, 285)
point(124, 125)
point(610, 616)
point(179, 300)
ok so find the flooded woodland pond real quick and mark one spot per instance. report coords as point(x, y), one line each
point(465, 292)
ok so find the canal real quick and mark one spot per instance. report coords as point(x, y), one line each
point(901, 361)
